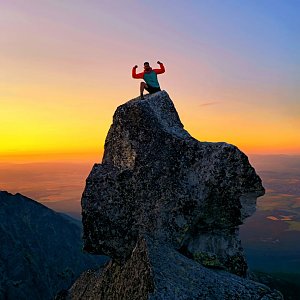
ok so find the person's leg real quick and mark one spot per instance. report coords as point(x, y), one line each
point(142, 87)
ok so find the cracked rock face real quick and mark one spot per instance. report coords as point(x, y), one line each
point(156, 179)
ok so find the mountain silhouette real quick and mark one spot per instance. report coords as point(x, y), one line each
point(41, 250)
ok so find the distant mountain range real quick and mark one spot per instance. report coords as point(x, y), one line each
point(41, 250)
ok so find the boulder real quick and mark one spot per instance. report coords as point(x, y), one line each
point(156, 179)
point(167, 208)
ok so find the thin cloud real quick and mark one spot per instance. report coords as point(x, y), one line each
point(209, 103)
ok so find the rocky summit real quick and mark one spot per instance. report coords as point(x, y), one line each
point(166, 208)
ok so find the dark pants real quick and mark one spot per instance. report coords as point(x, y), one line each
point(152, 89)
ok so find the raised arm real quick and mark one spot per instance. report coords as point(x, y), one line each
point(137, 76)
point(161, 70)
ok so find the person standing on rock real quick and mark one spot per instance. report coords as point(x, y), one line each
point(150, 77)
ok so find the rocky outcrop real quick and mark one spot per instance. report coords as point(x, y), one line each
point(41, 250)
point(155, 271)
point(159, 185)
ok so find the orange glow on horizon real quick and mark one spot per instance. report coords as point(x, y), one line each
point(35, 157)
point(96, 156)
point(75, 127)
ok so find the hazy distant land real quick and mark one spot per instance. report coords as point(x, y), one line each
point(270, 237)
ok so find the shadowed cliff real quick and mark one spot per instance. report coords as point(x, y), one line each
point(40, 250)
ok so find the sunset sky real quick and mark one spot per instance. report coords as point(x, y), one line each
point(232, 70)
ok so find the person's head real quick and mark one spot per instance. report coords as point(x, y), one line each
point(147, 66)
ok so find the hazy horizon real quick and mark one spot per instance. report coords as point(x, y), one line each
point(52, 183)
point(269, 236)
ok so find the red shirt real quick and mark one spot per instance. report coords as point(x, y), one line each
point(141, 75)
